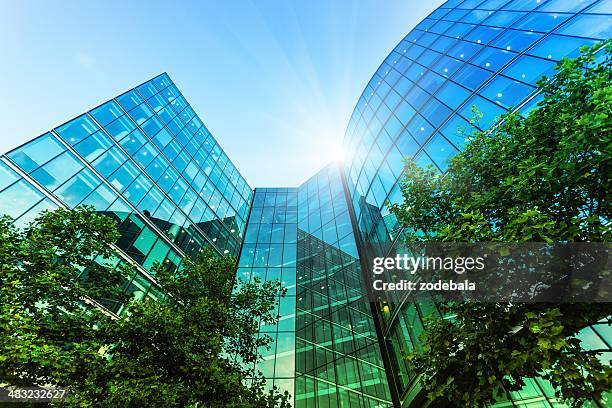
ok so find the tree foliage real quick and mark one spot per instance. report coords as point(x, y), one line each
point(540, 178)
point(195, 347)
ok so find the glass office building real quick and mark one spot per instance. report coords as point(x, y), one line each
point(324, 348)
point(145, 159)
point(483, 53)
point(338, 360)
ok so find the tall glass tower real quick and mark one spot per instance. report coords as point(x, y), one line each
point(483, 53)
point(145, 159)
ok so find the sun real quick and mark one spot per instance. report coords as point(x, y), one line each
point(338, 153)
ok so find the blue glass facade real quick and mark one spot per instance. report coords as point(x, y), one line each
point(269, 252)
point(483, 53)
point(338, 360)
point(324, 349)
point(145, 159)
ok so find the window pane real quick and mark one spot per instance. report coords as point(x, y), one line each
point(7, 176)
point(506, 92)
point(101, 198)
point(18, 198)
point(77, 129)
point(93, 146)
point(78, 187)
point(37, 152)
point(57, 171)
point(106, 113)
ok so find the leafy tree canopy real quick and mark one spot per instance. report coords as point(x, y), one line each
point(540, 178)
point(195, 347)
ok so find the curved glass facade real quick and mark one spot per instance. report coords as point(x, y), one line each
point(488, 54)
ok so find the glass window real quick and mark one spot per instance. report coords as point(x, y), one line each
point(455, 131)
point(147, 90)
point(435, 112)
point(489, 110)
point(157, 102)
point(471, 76)
point(493, 58)
point(137, 190)
point(440, 27)
point(555, 47)
point(275, 255)
point(261, 255)
point(152, 200)
point(515, 40)
point(565, 5)
point(101, 198)
point(124, 175)
point(109, 161)
point(476, 16)
point(453, 94)
point(406, 144)
point(602, 7)
point(129, 100)
point(589, 25)
point(37, 152)
point(134, 142)
point(447, 66)
point(172, 150)
point(506, 92)
point(493, 4)
point(440, 150)
point(107, 113)
point(464, 50)
point(458, 30)
point(35, 211)
point(146, 154)
point(57, 171)
point(165, 210)
point(483, 34)
point(179, 189)
point(542, 22)
point(7, 176)
point(152, 126)
point(159, 251)
point(78, 187)
point(523, 5)
point(18, 198)
point(503, 18)
point(161, 81)
point(141, 113)
point(455, 15)
point(529, 69)
point(289, 255)
point(93, 146)
point(77, 129)
point(162, 138)
point(120, 127)
point(166, 114)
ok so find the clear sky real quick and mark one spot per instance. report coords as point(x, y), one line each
point(275, 81)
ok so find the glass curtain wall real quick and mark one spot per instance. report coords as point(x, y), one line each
point(338, 361)
point(145, 159)
point(483, 53)
point(269, 253)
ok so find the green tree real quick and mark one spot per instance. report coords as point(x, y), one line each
point(195, 347)
point(540, 178)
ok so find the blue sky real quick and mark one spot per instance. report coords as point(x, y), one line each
point(274, 81)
